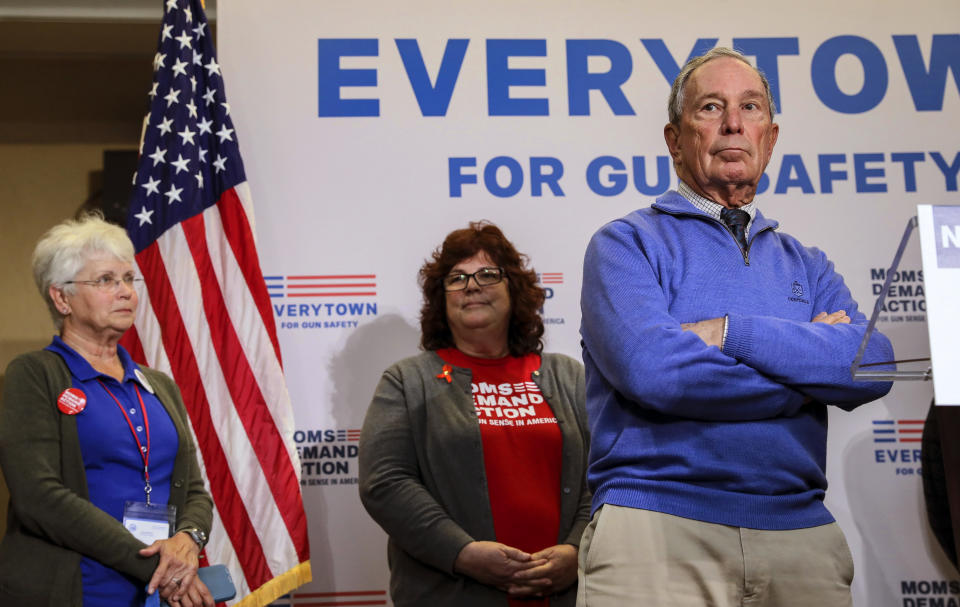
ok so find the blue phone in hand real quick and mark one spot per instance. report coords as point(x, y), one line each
point(217, 579)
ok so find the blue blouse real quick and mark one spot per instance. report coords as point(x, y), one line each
point(112, 458)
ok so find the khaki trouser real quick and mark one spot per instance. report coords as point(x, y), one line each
point(640, 557)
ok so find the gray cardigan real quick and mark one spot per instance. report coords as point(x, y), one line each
point(422, 475)
point(51, 523)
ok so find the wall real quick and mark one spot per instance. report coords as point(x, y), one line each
point(72, 90)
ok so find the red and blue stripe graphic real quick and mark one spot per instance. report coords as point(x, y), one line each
point(322, 285)
point(351, 435)
point(551, 278)
point(897, 430)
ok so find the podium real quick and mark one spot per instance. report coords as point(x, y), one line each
point(939, 228)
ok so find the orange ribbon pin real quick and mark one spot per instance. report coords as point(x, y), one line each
point(446, 373)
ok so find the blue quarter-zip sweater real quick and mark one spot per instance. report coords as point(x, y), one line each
point(737, 436)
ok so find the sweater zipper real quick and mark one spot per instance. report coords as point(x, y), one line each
point(744, 252)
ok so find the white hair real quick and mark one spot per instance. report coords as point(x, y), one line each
point(66, 247)
point(675, 103)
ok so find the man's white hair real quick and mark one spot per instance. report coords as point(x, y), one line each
point(675, 103)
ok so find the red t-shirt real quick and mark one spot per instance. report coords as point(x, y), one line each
point(522, 450)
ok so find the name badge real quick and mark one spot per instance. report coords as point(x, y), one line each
point(149, 522)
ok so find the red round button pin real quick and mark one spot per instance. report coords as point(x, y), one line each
point(72, 401)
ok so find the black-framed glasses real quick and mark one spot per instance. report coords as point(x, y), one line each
point(108, 283)
point(484, 277)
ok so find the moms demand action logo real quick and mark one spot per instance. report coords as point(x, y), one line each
point(328, 457)
point(930, 593)
point(322, 301)
point(897, 444)
point(905, 300)
point(550, 280)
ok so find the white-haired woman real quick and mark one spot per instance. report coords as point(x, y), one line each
point(95, 449)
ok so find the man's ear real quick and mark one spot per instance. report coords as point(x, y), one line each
point(775, 135)
point(671, 134)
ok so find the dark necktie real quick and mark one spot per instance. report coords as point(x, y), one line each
point(737, 221)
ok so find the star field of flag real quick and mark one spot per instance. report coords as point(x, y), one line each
point(189, 155)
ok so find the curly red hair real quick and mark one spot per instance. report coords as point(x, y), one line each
point(526, 296)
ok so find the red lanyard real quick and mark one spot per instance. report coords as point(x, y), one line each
point(144, 451)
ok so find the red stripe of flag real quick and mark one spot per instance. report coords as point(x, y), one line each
point(236, 230)
point(245, 391)
point(910, 421)
point(131, 341)
point(186, 371)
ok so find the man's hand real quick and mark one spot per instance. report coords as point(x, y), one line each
point(493, 563)
point(710, 331)
point(838, 317)
point(558, 573)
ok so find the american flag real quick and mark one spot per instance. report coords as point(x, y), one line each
point(206, 317)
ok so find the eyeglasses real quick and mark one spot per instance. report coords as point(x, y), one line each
point(108, 283)
point(484, 277)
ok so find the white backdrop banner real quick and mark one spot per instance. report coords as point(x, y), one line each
point(372, 128)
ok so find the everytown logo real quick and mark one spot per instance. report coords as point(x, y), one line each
point(328, 457)
point(897, 444)
point(549, 280)
point(322, 301)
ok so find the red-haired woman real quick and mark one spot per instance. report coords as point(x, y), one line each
point(473, 453)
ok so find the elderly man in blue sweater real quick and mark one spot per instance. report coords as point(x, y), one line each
point(713, 345)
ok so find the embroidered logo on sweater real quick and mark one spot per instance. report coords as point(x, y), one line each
point(797, 289)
